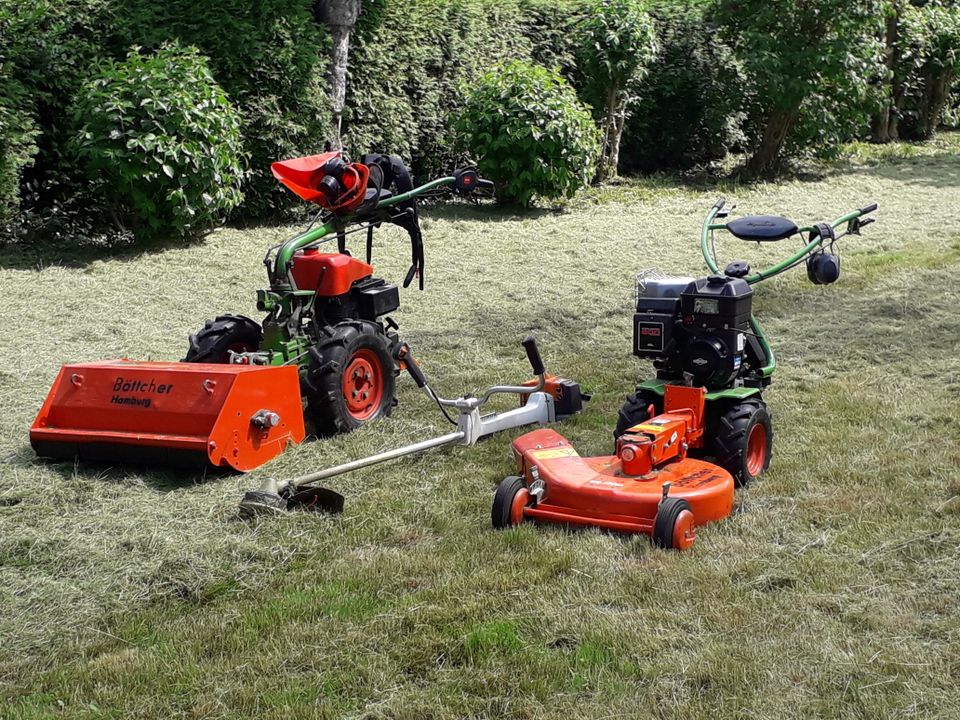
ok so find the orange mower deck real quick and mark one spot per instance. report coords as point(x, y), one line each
point(650, 486)
point(232, 416)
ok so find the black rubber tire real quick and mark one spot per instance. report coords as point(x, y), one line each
point(666, 518)
point(635, 410)
point(321, 385)
point(503, 501)
point(212, 342)
point(728, 444)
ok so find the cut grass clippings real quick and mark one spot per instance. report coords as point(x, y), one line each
point(830, 592)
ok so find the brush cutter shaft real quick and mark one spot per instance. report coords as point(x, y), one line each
point(471, 427)
point(448, 439)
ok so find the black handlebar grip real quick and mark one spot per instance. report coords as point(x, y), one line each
point(868, 209)
point(415, 372)
point(720, 203)
point(533, 355)
point(485, 184)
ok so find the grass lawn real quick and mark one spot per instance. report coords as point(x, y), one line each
point(830, 592)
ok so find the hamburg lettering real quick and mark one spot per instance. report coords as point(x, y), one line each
point(130, 400)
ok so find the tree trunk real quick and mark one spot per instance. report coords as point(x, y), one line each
point(340, 16)
point(337, 76)
point(607, 151)
point(936, 91)
point(883, 124)
point(767, 156)
point(618, 122)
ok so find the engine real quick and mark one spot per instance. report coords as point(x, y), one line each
point(699, 329)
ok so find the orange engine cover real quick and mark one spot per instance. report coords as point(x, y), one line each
point(237, 416)
point(329, 274)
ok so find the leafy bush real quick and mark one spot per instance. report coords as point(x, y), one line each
point(163, 141)
point(811, 61)
point(270, 57)
point(689, 109)
point(531, 133)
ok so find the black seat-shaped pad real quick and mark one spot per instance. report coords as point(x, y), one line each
point(372, 194)
point(762, 227)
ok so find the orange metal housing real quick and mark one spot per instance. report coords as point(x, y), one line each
point(328, 274)
point(303, 175)
point(237, 416)
point(594, 491)
point(622, 492)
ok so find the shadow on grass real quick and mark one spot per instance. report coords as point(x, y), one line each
point(163, 479)
point(77, 253)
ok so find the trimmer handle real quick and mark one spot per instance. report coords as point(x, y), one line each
point(415, 372)
point(533, 355)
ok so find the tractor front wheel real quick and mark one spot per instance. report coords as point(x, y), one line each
point(743, 443)
point(218, 337)
point(636, 410)
point(350, 378)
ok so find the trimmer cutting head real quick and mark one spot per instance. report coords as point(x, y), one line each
point(270, 501)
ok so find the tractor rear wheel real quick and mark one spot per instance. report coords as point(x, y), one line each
point(214, 341)
point(636, 410)
point(743, 441)
point(350, 378)
point(673, 526)
point(508, 504)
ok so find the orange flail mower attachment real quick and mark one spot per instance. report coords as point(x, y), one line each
point(237, 416)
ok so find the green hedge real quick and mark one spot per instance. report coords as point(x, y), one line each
point(690, 106)
point(411, 64)
point(271, 59)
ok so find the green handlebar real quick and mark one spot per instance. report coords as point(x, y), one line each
point(709, 226)
point(290, 247)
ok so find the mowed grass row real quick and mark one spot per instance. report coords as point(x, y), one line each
point(831, 591)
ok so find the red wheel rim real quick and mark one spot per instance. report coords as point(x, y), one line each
point(520, 501)
point(756, 450)
point(683, 531)
point(362, 384)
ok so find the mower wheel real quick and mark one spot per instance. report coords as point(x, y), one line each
point(350, 378)
point(743, 443)
point(512, 496)
point(636, 409)
point(673, 525)
point(214, 341)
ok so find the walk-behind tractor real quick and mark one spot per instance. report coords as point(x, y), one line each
point(235, 400)
point(686, 438)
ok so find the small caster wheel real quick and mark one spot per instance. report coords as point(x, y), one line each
point(508, 504)
point(673, 525)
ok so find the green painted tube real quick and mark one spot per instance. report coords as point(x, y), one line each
point(286, 253)
point(780, 267)
point(771, 360)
